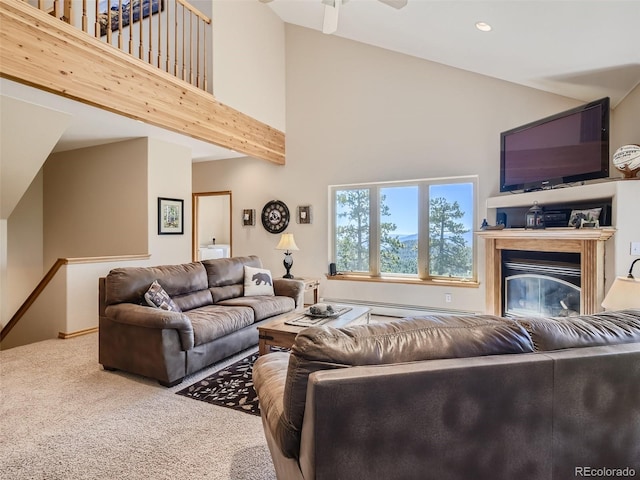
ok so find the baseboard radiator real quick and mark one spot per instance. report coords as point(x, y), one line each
point(396, 310)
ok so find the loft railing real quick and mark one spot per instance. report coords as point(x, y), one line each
point(171, 35)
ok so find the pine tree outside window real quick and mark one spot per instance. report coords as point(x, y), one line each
point(419, 229)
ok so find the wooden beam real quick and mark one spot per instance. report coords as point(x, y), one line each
point(39, 50)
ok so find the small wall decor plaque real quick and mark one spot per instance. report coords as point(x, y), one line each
point(248, 217)
point(304, 214)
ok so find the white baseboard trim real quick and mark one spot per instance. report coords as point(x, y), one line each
point(397, 310)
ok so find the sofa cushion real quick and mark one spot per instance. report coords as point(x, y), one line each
point(263, 307)
point(192, 300)
point(257, 281)
point(215, 321)
point(156, 296)
point(607, 328)
point(229, 271)
point(229, 291)
point(129, 284)
point(225, 276)
point(407, 340)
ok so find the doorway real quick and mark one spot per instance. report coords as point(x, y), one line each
point(211, 225)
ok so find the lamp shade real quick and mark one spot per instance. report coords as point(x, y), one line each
point(624, 293)
point(287, 242)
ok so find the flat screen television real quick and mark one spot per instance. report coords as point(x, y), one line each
point(568, 147)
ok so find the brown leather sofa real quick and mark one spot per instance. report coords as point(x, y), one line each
point(455, 398)
point(216, 320)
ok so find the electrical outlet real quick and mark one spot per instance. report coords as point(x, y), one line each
point(448, 297)
point(635, 248)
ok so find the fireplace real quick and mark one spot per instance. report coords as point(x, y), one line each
point(540, 283)
point(584, 250)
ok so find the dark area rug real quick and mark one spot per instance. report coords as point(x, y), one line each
point(231, 387)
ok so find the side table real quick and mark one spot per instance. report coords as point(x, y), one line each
point(311, 283)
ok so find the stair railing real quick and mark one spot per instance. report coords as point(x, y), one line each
point(171, 35)
point(32, 297)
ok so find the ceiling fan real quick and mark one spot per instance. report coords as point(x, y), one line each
point(332, 11)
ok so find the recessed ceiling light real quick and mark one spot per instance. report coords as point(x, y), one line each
point(483, 27)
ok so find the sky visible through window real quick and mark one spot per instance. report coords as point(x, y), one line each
point(405, 218)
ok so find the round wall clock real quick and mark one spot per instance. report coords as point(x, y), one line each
point(275, 216)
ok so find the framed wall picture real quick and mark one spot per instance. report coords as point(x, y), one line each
point(304, 214)
point(170, 216)
point(109, 12)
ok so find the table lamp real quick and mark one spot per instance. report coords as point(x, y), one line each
point(288, 244)
point(624, 293)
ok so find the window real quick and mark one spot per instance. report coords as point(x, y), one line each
point(414, 229)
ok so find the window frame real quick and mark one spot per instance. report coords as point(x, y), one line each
point(374, 233)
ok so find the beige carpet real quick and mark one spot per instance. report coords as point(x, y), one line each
point(63, 417)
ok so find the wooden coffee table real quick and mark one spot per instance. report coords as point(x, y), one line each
point(278, 334)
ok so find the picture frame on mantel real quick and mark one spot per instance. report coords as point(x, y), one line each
point(170, 216)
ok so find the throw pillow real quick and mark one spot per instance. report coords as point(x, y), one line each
point(157, 297)
point(257, 281)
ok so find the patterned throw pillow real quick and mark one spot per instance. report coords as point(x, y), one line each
point(157, 297)
point(257, 281)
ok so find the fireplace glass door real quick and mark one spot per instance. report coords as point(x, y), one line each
point(541, 283)
point(540, 295)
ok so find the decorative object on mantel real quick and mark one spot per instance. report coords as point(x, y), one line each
point(624, 293)
point(288, 244)
point(585, 218)
point(248, 217)
point(535, 217)
point(485, 226)
point(627, 160)
point(304, 214)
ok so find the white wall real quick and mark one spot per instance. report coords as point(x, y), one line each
point(25, 243)
point(625, 129)
point(94, 201)
point(99, 201)
point(29, 133)
point(625, 123)
point(249, 59)
point(213, 219)
point(357, 113)
point(4, 298)
point(169, 176)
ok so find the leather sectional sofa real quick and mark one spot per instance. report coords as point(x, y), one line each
point(456, 398)
point(215, 318)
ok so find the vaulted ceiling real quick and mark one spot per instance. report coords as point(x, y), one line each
point(584, 49)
